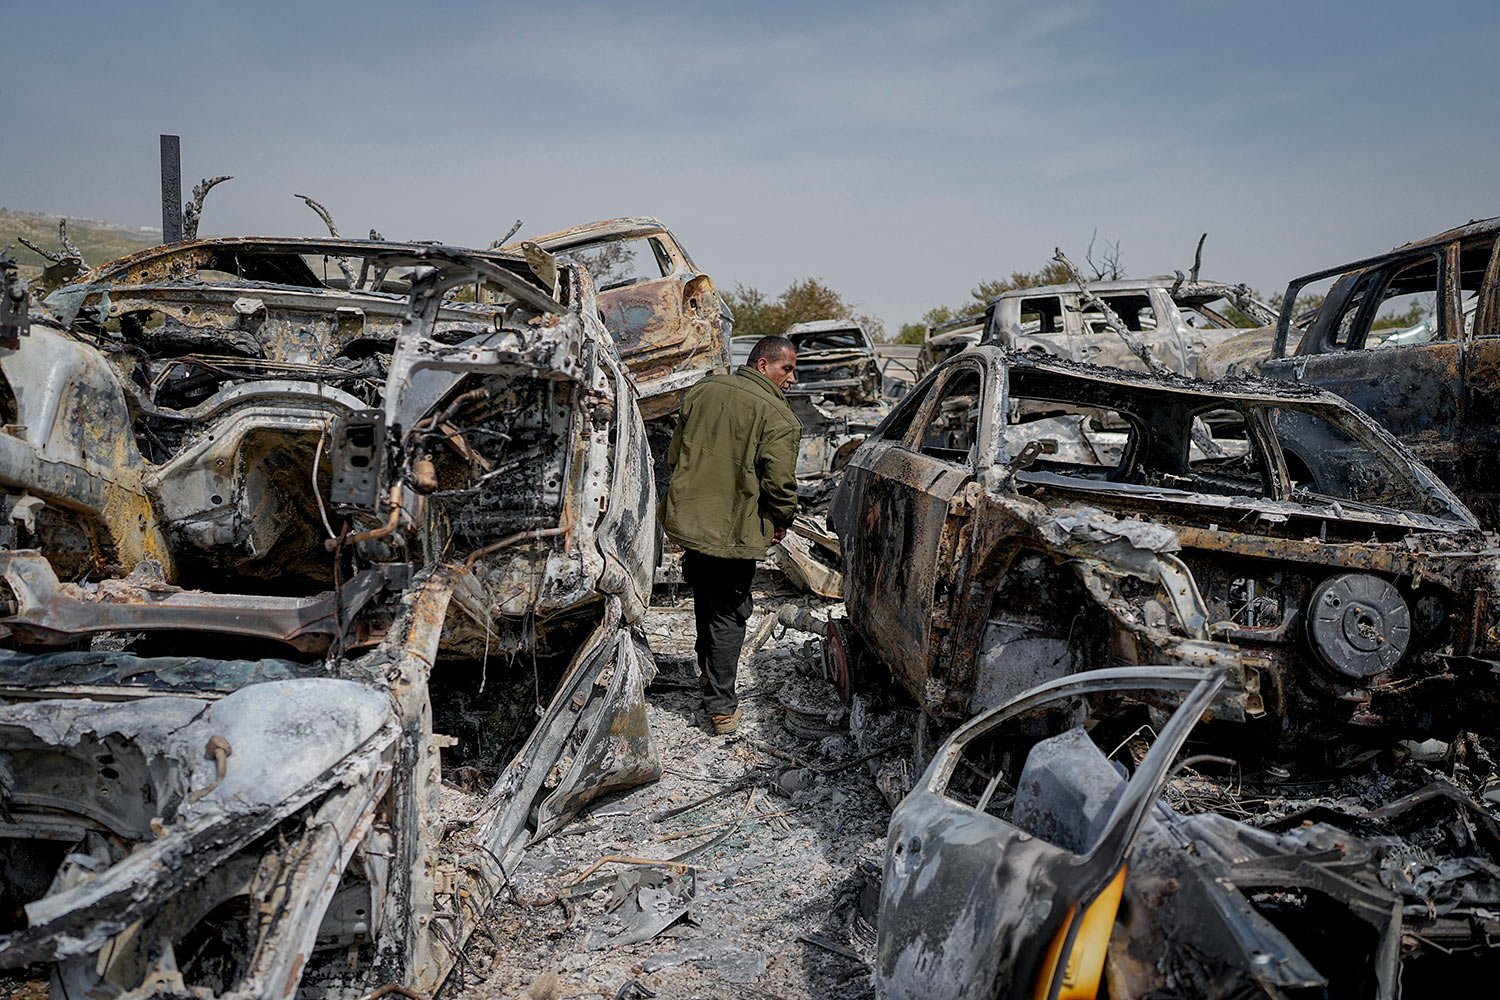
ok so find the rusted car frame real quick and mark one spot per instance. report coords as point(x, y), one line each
point(942, 342)
point(487, 471)
point(670, 324)
point(1020, 517)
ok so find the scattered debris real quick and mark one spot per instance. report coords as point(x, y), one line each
point(809, 556)
point(790, 869)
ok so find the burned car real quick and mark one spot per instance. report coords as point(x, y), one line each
point(1175, 318)
point(271, 502)
point(837, 396)
point(1051, 850)
point(942, 342)
point(1019, 517)
point(1412, 337)
point(900, 367)
point(835, 360)
point(668, 321)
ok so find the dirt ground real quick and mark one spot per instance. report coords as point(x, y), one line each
point(777, 861)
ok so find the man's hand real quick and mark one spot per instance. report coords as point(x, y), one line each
point(778, 535)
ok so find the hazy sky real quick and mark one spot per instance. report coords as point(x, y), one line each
point(901, 152)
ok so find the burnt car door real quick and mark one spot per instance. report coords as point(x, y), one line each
point(998, 881)
point(1389, 337)
point(897, 500)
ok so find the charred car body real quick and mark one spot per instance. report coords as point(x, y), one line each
point(836, 396)
point(1051, 851)
point(1018, 518)
point(1433, 383)
point(943, 342)
point(283, 482)
point(835, 360)
point(1176, 319)
point(666, 317)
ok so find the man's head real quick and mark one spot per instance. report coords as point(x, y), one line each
point(776, 359)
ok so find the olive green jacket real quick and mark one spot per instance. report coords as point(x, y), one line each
point(734, 460)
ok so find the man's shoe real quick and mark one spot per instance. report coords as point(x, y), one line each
point(725, 724)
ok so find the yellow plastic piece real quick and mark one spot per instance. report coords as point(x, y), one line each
point(1086, 960)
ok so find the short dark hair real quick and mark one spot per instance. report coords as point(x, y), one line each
point(770, 348)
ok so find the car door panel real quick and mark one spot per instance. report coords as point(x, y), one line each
point(903, 516)
point(974, 906)
point(1415, 392)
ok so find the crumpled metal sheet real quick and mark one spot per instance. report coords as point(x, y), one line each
point(1124, 545)
point(286, 742)
point(647, 902)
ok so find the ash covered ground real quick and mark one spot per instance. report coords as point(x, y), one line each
point(785, 852)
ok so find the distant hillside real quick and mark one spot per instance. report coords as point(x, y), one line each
point(99, 241)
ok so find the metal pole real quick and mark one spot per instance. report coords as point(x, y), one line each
point(171, 188)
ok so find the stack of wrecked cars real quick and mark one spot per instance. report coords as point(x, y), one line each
point(1176, 318)
point(1020, 520)
point(835, 360)
point(258, 493)
point(839, 397)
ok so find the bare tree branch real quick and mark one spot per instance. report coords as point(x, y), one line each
point(1111, 318)
point(1108, 269)
point(506, 238)
point(1112, 262)
point(193, 210)
point(323, 214)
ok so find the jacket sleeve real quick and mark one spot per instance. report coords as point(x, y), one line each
point(777, 467)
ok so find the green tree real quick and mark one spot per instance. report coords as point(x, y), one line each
point(915, 333)
point(1305, 305)
point(1416, 313)
point(756, 315)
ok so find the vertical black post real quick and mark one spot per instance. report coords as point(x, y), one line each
point(171, 188)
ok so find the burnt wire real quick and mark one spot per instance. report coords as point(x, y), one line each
point(317, 491)
point(484, 660)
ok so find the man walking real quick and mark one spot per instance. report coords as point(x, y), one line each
point(733, 493)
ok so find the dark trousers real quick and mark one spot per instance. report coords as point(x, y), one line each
point(721, 605)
